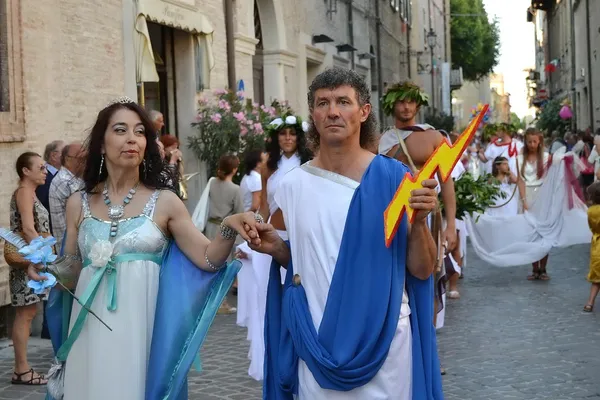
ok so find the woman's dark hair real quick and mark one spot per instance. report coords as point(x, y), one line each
point(24, 161)
point(251, 160)
point(154, 173)
point(334, 78)
point(275, 151)
point(497, 161)
point(227, 164)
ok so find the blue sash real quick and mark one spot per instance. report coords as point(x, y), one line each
point(362, 309)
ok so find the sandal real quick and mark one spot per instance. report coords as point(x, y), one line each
point(38, 380)
point(544, 276)
point(535, 275)
point(588, 308)
point(453, 294)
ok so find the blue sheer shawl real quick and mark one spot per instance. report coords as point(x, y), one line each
point(362, 309)
point(187, 303)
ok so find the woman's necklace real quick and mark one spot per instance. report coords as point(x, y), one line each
point(115, 213)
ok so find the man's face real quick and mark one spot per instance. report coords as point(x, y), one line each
point(406, 110)
point(159, 122)
point(337, 115)
point(75, 160)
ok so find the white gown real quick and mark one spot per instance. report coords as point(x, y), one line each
point(253, 279)
point(315, 205)
point(112, 365)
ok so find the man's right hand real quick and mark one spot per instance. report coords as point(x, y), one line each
point(266, 240)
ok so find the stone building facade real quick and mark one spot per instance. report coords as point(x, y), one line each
point(61, 61)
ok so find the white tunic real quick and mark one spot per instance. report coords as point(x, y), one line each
point(315, 205)
point(494, 150)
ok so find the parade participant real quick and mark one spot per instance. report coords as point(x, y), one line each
point(339, 328)
point(413, 144)
point(533, 164)
point(594, 224)
point(503, 146)
point(118, 232)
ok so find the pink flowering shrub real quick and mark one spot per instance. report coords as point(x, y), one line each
point(230, 124)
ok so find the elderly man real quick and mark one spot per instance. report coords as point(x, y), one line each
point(158, 120)
point(354, 317)
point(67, 181)
point(52, 156)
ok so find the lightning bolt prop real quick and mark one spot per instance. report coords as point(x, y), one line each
point(443, 159)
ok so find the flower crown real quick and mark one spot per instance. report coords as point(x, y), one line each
point(290, 121)
point(403, 91)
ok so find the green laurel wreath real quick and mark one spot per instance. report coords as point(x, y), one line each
point(403, 91)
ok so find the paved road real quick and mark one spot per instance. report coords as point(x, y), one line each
point(505, 339)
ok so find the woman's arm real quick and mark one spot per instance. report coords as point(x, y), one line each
point(256, 201)
point(264, 205)
point(25, 200)
point(191, 241)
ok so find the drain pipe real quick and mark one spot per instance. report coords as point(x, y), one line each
point(573, 72)
point(589, 67)
point(231, 81)
point(379, 69)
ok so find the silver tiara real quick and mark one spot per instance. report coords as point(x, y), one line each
point(120, 100)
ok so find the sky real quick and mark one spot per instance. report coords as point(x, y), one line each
point(517, 49)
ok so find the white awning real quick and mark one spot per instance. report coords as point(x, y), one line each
point(145, 67)
point(187, 19)
point(204, 44)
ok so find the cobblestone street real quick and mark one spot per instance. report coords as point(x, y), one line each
point(506, 338)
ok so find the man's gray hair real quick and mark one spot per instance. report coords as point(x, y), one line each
point(334, 78)
point(50, 148)
point(65, 154)
point(154, 115)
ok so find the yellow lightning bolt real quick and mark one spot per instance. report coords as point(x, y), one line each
point(444, 158)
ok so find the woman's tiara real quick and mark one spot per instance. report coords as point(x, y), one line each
point(120, 100)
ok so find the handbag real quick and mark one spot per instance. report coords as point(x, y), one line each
point(56, 380)
point(12, 255)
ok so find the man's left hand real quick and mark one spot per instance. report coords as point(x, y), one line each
point(424, 200)
point(450, 238)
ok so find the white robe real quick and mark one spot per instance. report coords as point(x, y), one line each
point(315, 205)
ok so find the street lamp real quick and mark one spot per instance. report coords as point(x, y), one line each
point(431, 38)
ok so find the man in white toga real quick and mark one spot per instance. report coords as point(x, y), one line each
point(354, 317)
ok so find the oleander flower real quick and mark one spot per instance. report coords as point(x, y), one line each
point(258, 128)
point(42, 286)
point(101, 253)
point(290, 120)
point(305, 126)
point(216, 118)
point(240, 116)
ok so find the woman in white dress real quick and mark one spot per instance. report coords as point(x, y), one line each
point(533, 165)
point(117, 230)
point(287, 149)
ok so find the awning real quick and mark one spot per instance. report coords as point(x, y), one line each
point(179, 17)
point(145, 67)
point(187, 19)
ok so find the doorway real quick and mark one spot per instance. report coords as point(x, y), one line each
point(161, 96)
point(258, 82)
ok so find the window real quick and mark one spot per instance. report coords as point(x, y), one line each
point(200, 65)
point(395, 4)
point(4, 83)
point(402, 8)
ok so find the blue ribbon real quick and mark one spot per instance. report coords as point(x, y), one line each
point(88, 296)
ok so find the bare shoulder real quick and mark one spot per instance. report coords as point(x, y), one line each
point(169, 202)
point(74, 206)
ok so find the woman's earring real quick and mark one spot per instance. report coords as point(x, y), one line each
point(101, 165)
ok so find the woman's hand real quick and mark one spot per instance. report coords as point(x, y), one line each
point(243, 224)
point(33, 272)
point(176, 156)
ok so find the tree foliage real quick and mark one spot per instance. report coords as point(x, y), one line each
point(549, 121)
point(440, 121)
point(475, 40)
point(517, 122)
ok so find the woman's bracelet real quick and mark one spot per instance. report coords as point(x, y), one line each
point(210, 265)
point(227, 233)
